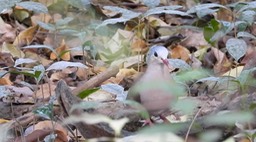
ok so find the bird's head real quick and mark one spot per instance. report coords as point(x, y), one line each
point(157, 53)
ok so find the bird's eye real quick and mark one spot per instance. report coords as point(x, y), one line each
point(155, 54)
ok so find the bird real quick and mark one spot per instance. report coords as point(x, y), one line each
point(153, 89)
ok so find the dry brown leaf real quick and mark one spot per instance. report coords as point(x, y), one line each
point(43, 17)
point(180, 52)
point(225, 14)
point(235, 72)
point(98, 69)
point(128, 62)
point(6, 59)
point(12, 49)
point(34, 56)
point(118, 40)
point(21, 95)
point(37, 135)
point(102, 2)
point(4, 121)
point(58, 129)
point(44, 128)
point(20, 13)
point(5, 81)
point(223, 64)
point(25, 37)
point(7, 32)
point(121, 75)
point(67, 74)
point(21, 91)
point(195, 63)
point(138, 45)
point(62, 48)
point(126, 72)
point(82, 74)
point(249, 59)
point(47, 125)
point(45, 90)
point(100, 96)
point(193, 38)
point(47, 2)
point(53, 40)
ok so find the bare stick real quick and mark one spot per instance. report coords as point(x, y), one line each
point(97, 80)
point(190, 126)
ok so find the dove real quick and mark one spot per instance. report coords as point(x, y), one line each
point(153, 88)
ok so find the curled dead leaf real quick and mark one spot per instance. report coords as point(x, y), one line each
point(7, 32)
point(63, 52)
point(180, 52)
point(139, 45)
point(25, 37)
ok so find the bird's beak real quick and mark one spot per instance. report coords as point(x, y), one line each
point(166, 62)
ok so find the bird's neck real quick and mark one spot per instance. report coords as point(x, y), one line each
point(156, 67)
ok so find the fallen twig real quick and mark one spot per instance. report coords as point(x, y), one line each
point(96, 80)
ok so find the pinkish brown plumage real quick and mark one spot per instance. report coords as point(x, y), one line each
point(153, 89)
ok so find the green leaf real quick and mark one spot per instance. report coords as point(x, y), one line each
point(205, 12)
point(39, 72)
point(142, 110)
point(190, 75)
point(185, 106)
point(3, 73)
point(33, 6)
point(205, 6)
point(215, 25)
point(87, 92)
point(90, 48)
point(204, 9)
point(211, 30)
point(4, 91)
point(23, 61)
point(241, 25)
point(165, 9)
point(236, 48)
point(45, 111)
point(208, 33)
point(247, 6)
point(245, 34)
point(210, 135)
point(79, 3)
point(151, 3)
point(217, 35)
point(126, 15)
point(221, 28)
point(40, 46)
point(85, 105)
point(175, 12)
point(46, 26)
point(180, 64)
point(116, 125)
point(252, 107)
point(64, 64)
point(64, 21)
point(246, 78)
point(229, 118)
point(163, 128)
point(248, 16)
point(68, 32)
point(7, 4)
